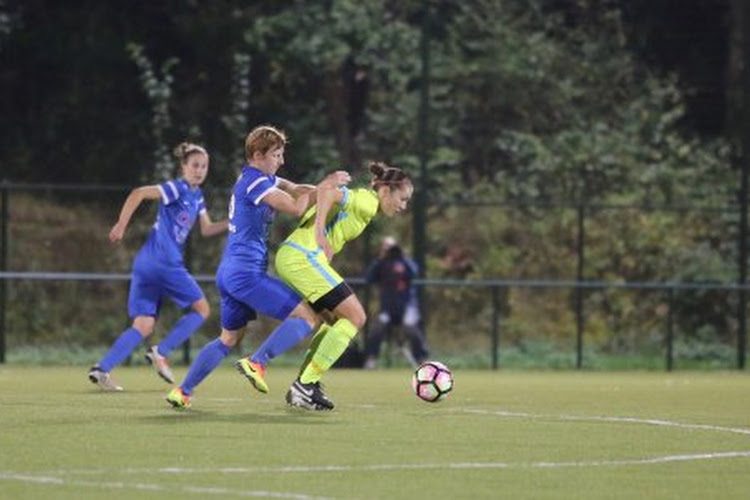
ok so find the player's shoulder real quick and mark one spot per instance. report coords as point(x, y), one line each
point(365, 199)
point(251, 177)
point(360, 194)
point(250, 174)
point(173, 189)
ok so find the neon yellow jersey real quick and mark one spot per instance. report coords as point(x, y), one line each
point(346, 220)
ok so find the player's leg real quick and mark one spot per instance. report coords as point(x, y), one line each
point(351, 317)
point(143, 307)
point(306, 391)
point(234, 316)
point(209, 357)
point(270, 296)
point(290, 332)
point(184, 291)
point(310, 274)
point(277, 299)
point(300, 323)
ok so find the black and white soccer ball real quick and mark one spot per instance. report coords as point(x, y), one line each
point(432, 381)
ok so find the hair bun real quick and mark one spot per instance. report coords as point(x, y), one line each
point(378, 168)
point(184, 149)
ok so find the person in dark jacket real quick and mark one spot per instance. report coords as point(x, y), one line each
point(394, 273)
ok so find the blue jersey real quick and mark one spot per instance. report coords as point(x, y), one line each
point(250, 220)
point(179, 207)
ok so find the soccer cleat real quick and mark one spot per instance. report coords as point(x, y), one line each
point(178, 399)
point(308, 396)
point(103, 379)
point(254, 372)
point(160, 363)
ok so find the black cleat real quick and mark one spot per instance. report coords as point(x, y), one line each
point(308, 396)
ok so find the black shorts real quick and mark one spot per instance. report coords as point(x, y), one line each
point(332, 299)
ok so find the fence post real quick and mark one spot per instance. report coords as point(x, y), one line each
point(423, 152)
point(495, 327)
point(579, 289)
point(742, 260)
point(744, 158)
point(4, 239)
point(670, 330)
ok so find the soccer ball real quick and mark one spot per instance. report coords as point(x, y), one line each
point(432, 381)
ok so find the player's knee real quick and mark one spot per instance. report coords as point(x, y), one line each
point(305, 313)
point(359, 320)
point(230, 338)
point(144, 325)
point(203, 308)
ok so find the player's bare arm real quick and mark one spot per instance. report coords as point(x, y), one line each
point(132, 202)
point(211, 228)
point(327, 196)
point(281, 201)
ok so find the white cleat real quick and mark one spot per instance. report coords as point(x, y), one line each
point(103, 379)
point(160, 363)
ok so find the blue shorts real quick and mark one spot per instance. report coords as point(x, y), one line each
point(244, 294)
point(151, 281)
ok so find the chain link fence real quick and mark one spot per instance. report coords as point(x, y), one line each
point(507, 285)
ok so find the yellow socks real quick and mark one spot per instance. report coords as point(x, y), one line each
point(327, 346)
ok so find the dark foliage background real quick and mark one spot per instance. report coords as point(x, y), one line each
point(536, 108)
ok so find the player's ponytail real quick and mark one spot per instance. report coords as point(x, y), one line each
point(385, 175)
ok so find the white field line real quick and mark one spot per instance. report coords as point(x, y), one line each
point(118, 485)
point(316, 469)
point(596, 418)
point(55, 479)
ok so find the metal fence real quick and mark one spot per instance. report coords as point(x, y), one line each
point(30, 244)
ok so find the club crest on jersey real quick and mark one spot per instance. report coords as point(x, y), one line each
point(183, 219)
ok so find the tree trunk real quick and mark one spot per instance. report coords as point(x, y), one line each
point(739, 13)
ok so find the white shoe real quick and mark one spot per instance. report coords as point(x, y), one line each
point(160, 363)
point(103, 379)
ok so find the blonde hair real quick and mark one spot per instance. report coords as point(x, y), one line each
point(263, 139)
point(184, 149)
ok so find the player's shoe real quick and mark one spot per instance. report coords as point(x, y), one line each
point(160, 363)
point(103, 379)
point(308, 396)
point(254, 372)
point(178, 399)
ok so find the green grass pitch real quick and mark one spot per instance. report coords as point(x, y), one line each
point(515, 435)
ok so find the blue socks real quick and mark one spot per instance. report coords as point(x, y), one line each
point(207, 360)
point(121, 349)
point(284, 337)
point(127, 342)
point(184, 328)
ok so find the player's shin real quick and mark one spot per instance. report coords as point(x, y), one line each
point(331, 346)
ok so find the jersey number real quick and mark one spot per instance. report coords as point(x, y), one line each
point(232, 228)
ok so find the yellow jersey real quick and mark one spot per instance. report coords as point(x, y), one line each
point(346, 220)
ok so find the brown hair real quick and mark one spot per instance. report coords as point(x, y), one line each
point(385, 175)
point(263, 139)
point(184, 149)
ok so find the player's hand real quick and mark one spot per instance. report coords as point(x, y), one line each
point(336, 179)
point(116, 233)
